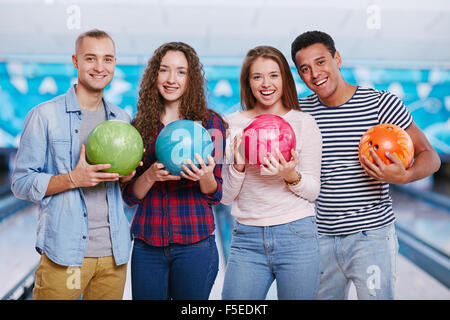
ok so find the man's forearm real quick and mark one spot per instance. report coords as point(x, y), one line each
point(426, 163)
point(59, 183)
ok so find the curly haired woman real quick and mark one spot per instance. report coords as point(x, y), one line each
point(174, 254)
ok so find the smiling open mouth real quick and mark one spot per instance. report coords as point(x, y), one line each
point(318, 83)
point(97, 76)
point(267, 92)
point(170, 89)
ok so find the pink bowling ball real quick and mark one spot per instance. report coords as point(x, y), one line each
point(265, 134)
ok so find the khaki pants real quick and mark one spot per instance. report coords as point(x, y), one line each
point(97, 279)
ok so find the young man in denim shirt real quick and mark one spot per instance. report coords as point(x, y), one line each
point(83, 234)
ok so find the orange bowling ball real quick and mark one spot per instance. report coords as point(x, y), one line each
point(384, 138)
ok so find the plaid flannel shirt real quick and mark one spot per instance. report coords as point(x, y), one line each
point(176, 211)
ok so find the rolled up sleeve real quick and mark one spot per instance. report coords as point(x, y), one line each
point(218, 136)
point(128, 195)
point(29, 181)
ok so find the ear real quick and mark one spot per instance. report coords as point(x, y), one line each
point(300, 74)
point(75, 61)
point(338, 59)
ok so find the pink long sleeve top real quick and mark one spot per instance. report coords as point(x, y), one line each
point(264, 200)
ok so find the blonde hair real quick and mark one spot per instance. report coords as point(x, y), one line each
point(94, 33)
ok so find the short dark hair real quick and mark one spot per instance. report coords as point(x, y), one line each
point(94, 33)
point(309, 38)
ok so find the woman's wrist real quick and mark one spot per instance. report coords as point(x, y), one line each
point(239, 167)
point(293, 180)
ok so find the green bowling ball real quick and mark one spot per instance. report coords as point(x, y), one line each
point(117, 143)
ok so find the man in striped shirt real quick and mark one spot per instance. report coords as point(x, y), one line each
point(354, 209)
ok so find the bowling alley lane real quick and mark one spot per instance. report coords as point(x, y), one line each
point(18, 256)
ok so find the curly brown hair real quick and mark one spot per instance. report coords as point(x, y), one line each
point(150, 106)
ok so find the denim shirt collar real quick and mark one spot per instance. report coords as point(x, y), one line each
point(72, 104)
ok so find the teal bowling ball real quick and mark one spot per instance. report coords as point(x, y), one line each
point(181, 140)
point(115, 142)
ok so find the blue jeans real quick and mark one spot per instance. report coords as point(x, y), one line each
point(367, 258)
point(183, 272)
point(288, 253)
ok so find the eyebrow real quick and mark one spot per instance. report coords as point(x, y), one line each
point(315, 59)
point(164, 65)
point(93, 54)
point(262, 72)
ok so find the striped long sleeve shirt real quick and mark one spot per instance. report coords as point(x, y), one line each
point(351, 201)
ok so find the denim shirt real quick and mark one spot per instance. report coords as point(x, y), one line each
point(50, 145)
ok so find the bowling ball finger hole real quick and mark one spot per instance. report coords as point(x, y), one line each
point(375, 147)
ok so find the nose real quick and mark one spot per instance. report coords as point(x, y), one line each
point(98, 66)
point(315, 71)
point(265, 81)
point(171, 77)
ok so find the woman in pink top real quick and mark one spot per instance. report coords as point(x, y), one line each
point(275, 234)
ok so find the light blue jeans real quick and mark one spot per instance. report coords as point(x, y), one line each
point(367, 258)
point(288, 253)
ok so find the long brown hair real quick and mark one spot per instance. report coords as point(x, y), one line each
point(289, 97)
point(150, 105)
